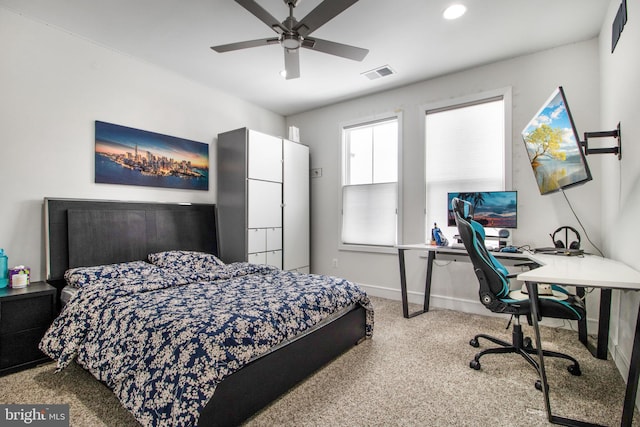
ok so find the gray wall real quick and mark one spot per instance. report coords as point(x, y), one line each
point(620, 182)
point(532, 78)
point(54, 86)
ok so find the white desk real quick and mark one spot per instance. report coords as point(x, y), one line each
point(434, 252)
point(580, 271)
point(599, 350)
point(590, 271)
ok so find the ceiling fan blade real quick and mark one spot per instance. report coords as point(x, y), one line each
point(292, 63)
point(260, 13)
point(319, 16)
point(338, 49)
point(244, 45)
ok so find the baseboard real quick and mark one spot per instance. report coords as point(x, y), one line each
point(460, 304)
point(622, 363)
point(436, 301)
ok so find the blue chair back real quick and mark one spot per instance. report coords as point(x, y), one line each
point(487, 267)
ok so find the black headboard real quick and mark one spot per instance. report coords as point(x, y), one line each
point(95, 232)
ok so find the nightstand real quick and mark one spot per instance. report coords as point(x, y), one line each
point(25, 315)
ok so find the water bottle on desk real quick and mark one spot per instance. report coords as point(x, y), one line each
point(437, 236)
point(4, 269)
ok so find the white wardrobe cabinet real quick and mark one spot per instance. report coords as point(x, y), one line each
point(263, 200)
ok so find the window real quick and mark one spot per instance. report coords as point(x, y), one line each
point(370, 183)
point(466, 151)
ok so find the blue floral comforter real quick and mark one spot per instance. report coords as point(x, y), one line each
point(162, 339)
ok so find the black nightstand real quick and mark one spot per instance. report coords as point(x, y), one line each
point(25, 315)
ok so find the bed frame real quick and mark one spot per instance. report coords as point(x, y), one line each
point(94, 232)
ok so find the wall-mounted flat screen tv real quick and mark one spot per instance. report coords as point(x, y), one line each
point(492, 209)
point(554, 147)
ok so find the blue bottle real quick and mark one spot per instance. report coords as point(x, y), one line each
point(437, 236)
point(4, 269)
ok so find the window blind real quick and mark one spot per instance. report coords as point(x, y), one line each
point(369, 214)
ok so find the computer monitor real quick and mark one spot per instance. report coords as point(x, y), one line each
point(492, 209)
point(554, 147)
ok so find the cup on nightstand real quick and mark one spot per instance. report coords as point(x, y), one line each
point(19, 277)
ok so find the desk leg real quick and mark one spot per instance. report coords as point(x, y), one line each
point(603, 324)
point(427, 284)
point(403, 286)
point(604, 316)
point(582, 323)
point(632, 378)
point(532, 290)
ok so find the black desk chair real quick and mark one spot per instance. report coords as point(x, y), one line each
point(497, 297)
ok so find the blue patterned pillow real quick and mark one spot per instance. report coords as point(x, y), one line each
point(82, 276)
point(186, 260)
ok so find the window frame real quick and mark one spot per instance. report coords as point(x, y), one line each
point(477, 98)
point(397, 115)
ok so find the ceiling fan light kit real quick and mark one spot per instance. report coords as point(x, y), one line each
point(292, 34)
point(290, 41)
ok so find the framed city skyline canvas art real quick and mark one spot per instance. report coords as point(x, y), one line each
point(129, 156)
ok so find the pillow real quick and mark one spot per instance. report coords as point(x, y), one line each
point(186, 260)
point(83, 276)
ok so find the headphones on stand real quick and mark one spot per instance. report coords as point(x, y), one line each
point(575, 244)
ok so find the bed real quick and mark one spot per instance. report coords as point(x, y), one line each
point(146, 276)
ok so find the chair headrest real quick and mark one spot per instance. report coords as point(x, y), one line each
point(463, 208)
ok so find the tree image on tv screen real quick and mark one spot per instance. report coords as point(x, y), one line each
point(544, 143)
point(554, 148)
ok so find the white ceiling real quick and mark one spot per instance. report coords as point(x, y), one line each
point(410, 36)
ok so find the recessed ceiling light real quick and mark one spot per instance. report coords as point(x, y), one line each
point(454, 11)
point(283, 74)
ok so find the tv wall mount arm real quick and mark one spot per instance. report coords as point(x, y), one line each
point(604, 134)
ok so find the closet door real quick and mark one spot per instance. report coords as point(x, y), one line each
point(264, 204)
point(264, 157)
point(296, 239)
point(274, 239)
point(274, 258)
point(257, 240)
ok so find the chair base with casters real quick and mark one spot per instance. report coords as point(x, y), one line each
point(521, 346)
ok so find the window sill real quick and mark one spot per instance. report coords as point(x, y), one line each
point(368, 248)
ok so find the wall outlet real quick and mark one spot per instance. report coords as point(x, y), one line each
point(334, 263)
point(316, 173)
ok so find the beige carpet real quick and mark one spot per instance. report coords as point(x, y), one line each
point(413, 372)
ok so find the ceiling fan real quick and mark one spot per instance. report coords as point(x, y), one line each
point(293, 34)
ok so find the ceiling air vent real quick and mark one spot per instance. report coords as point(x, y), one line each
point(379, 72)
